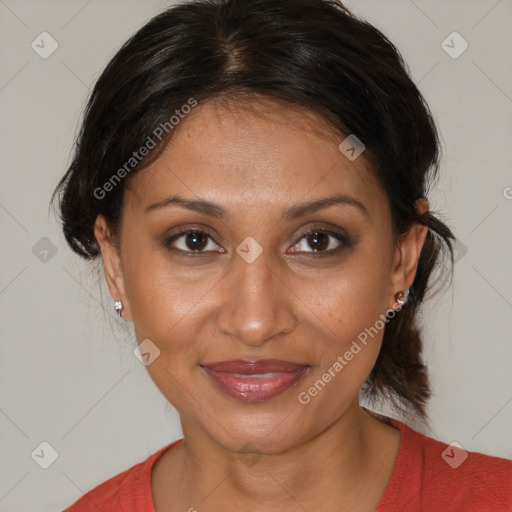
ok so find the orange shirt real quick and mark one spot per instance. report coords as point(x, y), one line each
point(429, 476)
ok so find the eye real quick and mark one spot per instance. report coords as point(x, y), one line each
point(195, 242)
point(322, 242)
point(192, 242)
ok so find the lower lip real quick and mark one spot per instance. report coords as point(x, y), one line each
point(248, 388)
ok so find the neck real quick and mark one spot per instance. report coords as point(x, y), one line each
point(345, 467)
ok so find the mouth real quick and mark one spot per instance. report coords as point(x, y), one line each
point(255, 381)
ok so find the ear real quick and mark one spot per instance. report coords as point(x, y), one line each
point(112, 264)
point(408, 253)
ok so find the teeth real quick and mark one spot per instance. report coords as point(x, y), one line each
point(258, 375)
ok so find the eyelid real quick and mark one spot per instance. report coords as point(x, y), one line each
point(176, 232)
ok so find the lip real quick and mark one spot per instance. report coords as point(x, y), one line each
point(255, 381)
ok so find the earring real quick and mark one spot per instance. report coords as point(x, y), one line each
point(401, 297)
point(118, 306)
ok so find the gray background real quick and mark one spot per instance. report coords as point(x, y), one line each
point(68, 374)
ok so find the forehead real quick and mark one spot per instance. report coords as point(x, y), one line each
point(259, 153)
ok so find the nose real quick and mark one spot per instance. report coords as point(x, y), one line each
point(258, 305)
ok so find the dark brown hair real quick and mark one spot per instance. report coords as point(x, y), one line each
point(313, 54)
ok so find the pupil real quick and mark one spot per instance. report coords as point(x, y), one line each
point(319, 240)
point(198, 241)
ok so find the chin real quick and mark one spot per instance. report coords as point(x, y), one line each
point(259, 430)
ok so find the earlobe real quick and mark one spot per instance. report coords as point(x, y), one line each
point(111, 264)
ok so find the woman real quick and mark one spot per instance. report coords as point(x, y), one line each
point(254, 175)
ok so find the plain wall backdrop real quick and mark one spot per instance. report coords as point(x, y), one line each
point(68, 375)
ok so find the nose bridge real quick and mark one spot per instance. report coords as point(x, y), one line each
point(256, 306)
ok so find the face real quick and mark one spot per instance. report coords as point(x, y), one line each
point(253, 299)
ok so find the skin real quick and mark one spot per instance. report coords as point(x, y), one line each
point(256, 162)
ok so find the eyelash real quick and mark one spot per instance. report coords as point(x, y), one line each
point(315, 254)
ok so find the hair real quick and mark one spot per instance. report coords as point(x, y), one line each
point(313, 54)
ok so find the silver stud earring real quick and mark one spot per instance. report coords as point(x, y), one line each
point(118, 306)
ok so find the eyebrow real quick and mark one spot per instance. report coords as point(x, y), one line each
point(214, 210)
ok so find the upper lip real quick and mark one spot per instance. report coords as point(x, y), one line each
point(248, 367)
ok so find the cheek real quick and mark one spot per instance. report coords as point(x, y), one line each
point(162, 295)
point(172, 306)
point(350, 323)
point(348, 302)
point(348, 313)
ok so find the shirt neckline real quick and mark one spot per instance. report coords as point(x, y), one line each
point(392, 488)
point(398, 474)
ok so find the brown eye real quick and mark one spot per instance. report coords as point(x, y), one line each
point(318, 240)
point(191, 242)
point(321, 242)
point(196, 240)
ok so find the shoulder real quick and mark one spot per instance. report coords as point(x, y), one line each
point(432, 475)
point(127, 491)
